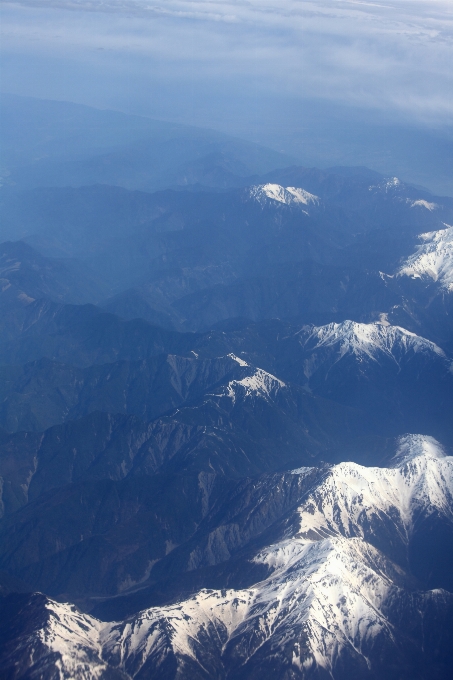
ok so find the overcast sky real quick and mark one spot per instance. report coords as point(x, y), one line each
point(193, 60)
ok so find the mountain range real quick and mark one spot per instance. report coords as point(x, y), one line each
point(225, 412)
point(339, 582)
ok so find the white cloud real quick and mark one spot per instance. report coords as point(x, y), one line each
point(390, 55)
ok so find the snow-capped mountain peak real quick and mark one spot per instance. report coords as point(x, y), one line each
point(372, 340)
point(250, 382)
point(70, 638)
point(351, 499)
point(286, 195)
point(433, 258)
point(257, 383)
point(412, 446)
point(328, 590)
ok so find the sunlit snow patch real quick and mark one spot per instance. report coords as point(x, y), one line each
point(433, 258)
point(258, 383)
point(388, 184)
point(424, 204)
point(240, 361)
point(302, 471)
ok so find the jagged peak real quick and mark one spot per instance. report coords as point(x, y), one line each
point(255, 383)
point(349, 496)
point(258, 384)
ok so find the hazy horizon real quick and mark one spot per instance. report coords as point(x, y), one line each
point(209, 60)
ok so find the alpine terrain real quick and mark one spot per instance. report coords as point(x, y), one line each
point(226, 400)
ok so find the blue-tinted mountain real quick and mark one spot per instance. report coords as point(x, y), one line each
point(205, 395)
point(188, 260)
point(54, 143)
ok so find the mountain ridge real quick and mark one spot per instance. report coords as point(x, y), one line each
point(311, 584)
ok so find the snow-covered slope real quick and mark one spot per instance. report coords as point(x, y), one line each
point(412, 446)
point(433, 258)
point(334, 601)
point(327, 600)
point(323, 598)
point(369, 339)
point(374, 342)
point(60, 643)
point(354, 500)
point(395, 188)
point(287, 195)
point(421, 203)
point(255, 383)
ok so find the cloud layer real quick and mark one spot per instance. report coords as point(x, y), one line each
point(392, 55)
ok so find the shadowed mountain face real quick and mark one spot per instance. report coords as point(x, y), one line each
point(146, 486)
point(204, 400)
